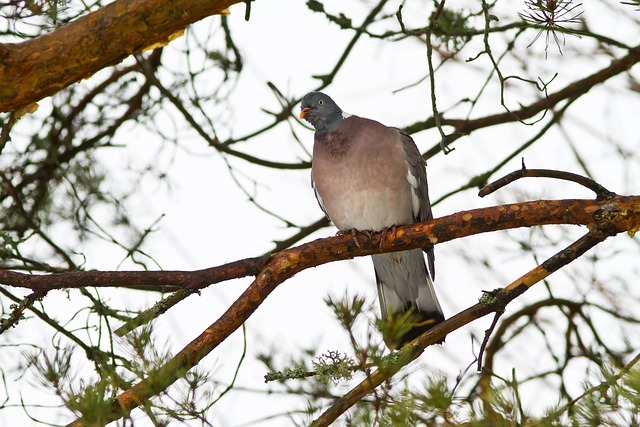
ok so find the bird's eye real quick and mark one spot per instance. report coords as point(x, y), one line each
point(320, 102)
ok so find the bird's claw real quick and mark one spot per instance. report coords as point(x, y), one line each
point(388, 231)
point(354, 235)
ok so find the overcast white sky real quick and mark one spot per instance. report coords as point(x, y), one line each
point(209, 222)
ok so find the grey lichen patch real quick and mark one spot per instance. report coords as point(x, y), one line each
point(333, 366)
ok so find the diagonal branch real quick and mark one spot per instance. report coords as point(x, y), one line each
point(488, 304)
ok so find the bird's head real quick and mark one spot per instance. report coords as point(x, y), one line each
point(321, 111)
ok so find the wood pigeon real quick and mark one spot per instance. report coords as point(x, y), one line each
point(367, 176)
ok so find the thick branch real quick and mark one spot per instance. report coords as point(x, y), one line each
point(34, 69)
point(621, 213)
point(611, 216)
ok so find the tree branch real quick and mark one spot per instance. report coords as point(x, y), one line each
point(589, 183)
point(463, 127)
point(493, 303)
point(619, 213)
point(155, 280)
point(608, 217)
point(100, 39)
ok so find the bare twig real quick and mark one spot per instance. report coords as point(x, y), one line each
point(601, 192)
point(487, 335)
point(577, 88)
point(328, 78)
point(481, 179)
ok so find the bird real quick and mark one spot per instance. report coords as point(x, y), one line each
point(370, 177)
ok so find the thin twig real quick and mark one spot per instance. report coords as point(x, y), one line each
point(601, 191)
point(6, 129)
point(575, 89)
point(481, 179)
point(487, 335)
point(328, 78)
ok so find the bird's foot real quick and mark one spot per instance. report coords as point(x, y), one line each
point(354, 235)
point(388, 231)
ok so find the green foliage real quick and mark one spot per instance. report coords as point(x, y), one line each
point(438, 397)
point(402, 405)
point(43, 14)
point(394, 328)
point(347, 309)
point(56, 369)
point(498, 402)
point(402, 412)
point(92, 403)
point(54, 366)
point(8, 246)
point(90, 396)
point(612, 402)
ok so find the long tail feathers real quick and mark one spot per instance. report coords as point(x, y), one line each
point(406, 291)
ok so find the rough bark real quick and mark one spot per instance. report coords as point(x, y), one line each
point(37, 68)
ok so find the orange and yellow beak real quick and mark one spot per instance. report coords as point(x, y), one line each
point(305, 111)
